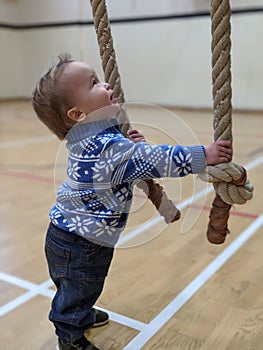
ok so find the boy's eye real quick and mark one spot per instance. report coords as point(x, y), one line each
point(94, 82)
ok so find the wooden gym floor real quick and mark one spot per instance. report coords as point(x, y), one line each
point(166, 289)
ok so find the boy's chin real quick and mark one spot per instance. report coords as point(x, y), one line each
point(104, 113)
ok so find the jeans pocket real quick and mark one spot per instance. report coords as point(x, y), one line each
point(57, 258)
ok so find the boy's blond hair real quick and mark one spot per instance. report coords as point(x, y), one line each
point(48, 99)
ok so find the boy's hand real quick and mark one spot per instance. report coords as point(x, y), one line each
point(135, 136)
point(218, 152)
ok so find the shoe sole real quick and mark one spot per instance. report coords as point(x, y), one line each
point(99, 324)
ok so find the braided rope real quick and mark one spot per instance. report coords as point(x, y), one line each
point(108, 58)
point(154, 191)
point(229, 179)
point(221, 69)
point(230, 182)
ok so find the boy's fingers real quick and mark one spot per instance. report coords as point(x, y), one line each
point(133, 131)
point(226, 150)
point(224, 143)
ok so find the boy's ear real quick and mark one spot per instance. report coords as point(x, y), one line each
point(75, 114)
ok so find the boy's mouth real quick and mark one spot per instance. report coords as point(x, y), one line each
point(113, 99)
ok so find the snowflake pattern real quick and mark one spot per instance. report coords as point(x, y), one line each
point(73, 169)
point(56, 217)
point(183, 162)
point(103, 228)
point(95, 200)
point(104, 138)
point(106, 166)
point(79, 225)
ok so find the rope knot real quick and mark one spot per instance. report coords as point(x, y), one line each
point(230, 182)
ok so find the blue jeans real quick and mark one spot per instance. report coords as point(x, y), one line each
point(78, 268)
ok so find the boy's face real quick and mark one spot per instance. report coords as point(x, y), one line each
point(84, 90)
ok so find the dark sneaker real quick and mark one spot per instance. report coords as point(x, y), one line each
point(101, 318)
point(80, 344)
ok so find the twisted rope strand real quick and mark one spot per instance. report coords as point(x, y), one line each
point(107, 52)
point(221, 69)
point(154, 191)
point(229, 179)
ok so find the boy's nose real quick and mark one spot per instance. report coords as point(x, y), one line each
point(107, 86)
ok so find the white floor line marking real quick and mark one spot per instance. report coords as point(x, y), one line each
point(159, 219)
point(25, 142)
point(49, 283)
point(16, 281)
point(124, 320)
point(42, 289)
point(159, 321)
point(130, 235)
point(254, 163)
point(17, 302)
point(33, 290)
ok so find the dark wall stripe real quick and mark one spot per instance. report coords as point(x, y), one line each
point(124, 20)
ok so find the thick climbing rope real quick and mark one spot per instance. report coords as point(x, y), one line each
point(108, 56)
point(229, 179)
point(109, 64)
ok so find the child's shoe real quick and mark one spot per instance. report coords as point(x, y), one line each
point(101, 318)
point(79, 344)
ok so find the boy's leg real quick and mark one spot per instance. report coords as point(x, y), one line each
point(78, 268)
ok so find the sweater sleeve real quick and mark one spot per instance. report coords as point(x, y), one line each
point(125, 161)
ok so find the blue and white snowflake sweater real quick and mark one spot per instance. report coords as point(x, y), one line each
point(103, 165)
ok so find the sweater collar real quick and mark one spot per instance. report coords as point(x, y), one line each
point(81, 131)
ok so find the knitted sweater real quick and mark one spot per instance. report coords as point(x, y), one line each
point(103, 165)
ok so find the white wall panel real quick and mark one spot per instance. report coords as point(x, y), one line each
point(162, 62)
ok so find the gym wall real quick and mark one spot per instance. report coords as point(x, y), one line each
point(165, 61)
